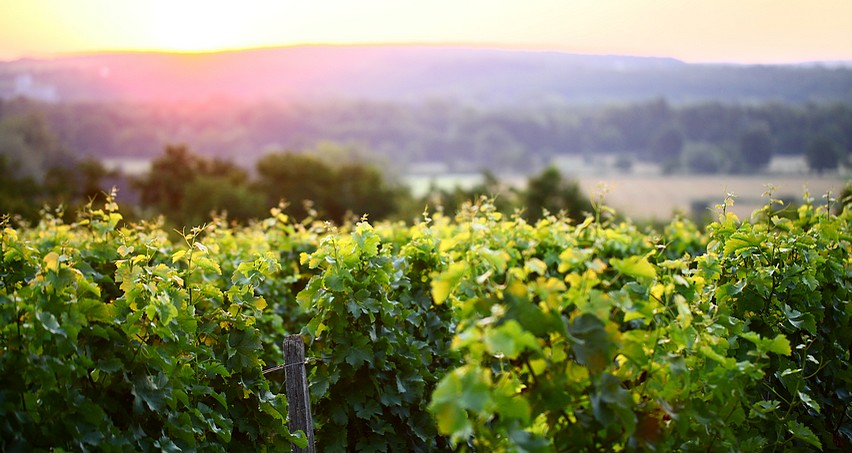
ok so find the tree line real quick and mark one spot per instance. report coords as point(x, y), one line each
point(188, 188)
point(331, 182)
point(704, 137)
point(336, 182)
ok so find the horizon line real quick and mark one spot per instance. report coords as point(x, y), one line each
point(415, 44)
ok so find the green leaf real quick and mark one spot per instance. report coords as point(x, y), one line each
point(778, 345)
point(530, 442)
point(49, 322)
point(216, 368)
point(85, 287)
point(509, 340)
point(726, 291)
point(367, 409)
point(366, 239)
point(536, 265)
point(187, 323)
point(176, 256)
point(110, 366)
point(533, 319)
point(207, 264)
point(727, 362)
point(510, 402)
point(684, 316)
point(760, 409)
point(463, 389)
point(802, 432)
point(592, 345)
point(334, 282)
point(147, 391)
point(452, 420)
point(95, 310)
point(800, 320)
point(221, 425)
point(51, 262)
point(359, 352)
point(443, 284)
point(299, 439)
point(475, 394)
point(241, 349)
point(813, 405)
point(610, 401)
point(740, 241)
point(635, 266)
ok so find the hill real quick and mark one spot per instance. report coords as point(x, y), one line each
point(412, 73)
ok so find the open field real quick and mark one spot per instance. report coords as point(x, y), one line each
point(645, 193)
point(657, 197)
point(650, 197)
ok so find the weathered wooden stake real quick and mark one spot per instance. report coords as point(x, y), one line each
point(298, 400)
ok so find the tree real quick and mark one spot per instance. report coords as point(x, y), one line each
point(296, 179)
point(333, 191)
point(164, 186)
point(703, 158)
point(186, 187)
point(503, 198)
point(822, 154)
point(667, 145)
point(79, 183)
point(363, 190)
point(31, 145)
point(21, 194)
point(18, 193)
point(90, 174)
point(549, 191)
point(756, 147)
point(208, 194)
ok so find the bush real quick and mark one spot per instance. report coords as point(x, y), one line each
point(115, 339)
point(483, 332)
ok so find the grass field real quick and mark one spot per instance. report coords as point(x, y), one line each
point(657, 197)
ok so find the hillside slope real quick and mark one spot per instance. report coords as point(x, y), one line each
point(411, 73)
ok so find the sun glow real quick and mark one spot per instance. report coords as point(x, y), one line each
point(197, 25)
point(719, 30)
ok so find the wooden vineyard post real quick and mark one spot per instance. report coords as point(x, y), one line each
point(298, 400)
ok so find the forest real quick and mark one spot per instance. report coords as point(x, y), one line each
point(446, 131)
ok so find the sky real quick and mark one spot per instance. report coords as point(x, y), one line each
point(735, 31)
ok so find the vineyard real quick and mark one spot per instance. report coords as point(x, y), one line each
point(478, 332)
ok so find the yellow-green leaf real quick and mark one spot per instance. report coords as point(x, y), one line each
point(684, 314)
point(176, 256)
point(536, 265)
point(51, 262)
point(440, 291)
point(779, 345)
point(635, 266)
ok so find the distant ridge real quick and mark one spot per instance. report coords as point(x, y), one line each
point(412, 74)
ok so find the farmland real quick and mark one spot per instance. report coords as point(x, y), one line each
point(657, 197)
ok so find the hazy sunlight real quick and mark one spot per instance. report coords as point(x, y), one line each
point(758, 31)
point(195, 25)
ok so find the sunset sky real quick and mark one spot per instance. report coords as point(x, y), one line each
point(741, 31)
